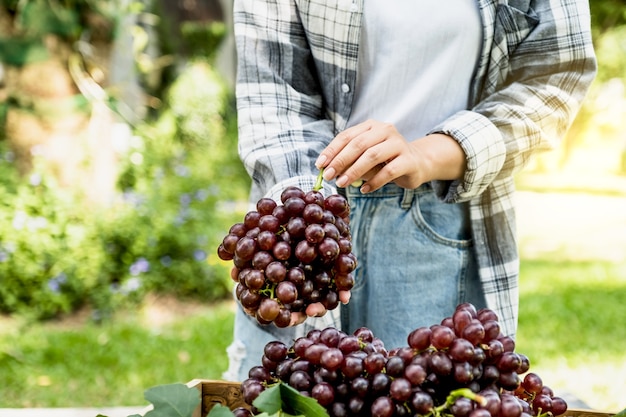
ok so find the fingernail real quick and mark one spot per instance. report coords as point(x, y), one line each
point(365, 188)
point(342, 181)
point(329, 174)
point(320, 161)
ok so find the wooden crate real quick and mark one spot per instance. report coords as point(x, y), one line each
point(219, 392)
point(229, 394)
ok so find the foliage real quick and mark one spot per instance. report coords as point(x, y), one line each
point(159, 236)
point(69, 20)
point(607, 14)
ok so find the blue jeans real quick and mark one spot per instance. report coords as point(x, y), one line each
point(415, 265)
point(416, 262)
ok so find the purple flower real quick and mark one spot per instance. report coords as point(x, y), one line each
point(139, 266)
point(55, 283)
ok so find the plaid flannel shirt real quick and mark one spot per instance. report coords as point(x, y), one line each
point(296, 78)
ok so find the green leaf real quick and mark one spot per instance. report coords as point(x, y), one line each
point(621, 413)
point(172, 400)
point(220, 410)
point(282, 397)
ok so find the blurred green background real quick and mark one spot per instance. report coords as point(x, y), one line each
point(119, 176)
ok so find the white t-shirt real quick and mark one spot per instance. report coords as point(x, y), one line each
point(416, 61)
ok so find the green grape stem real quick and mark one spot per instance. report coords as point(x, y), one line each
point(319, 182)
point(461, 392)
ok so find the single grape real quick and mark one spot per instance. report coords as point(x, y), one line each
point(532, 383)
point(305, 252)
point(313, 213)
point(442, 336)
point(400, 389)
point(251, 219)
point(296, 227)
point(300, 380)
point(266, 240)
point(223, 254)
point(382, 407)
point(249, 299)
point(255, 279)
point(275, 272)
point(276, 350)
point(331, 336)
point(395, 366)
point(261, 260)
point(283, 319)
point(460, 319)
point(314, 233)
point(421, 402)
point(294, 206)
point(331, 359)
point(360, 386)
point(337, 204)
point(246, 248)
point(286, 292)
point(291, 191)
point(268, 309)
point(281, 251)
point(474, 332)
point(461, 407)
point(559, 406)
point(314, 197)
point(324, 393)
point(461, 350)
point(380, 383)
point(415, 373)
point(419, 339)
point(440, 363)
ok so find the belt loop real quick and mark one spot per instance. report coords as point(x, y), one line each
point(407, 199)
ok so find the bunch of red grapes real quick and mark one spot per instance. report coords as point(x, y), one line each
point(290, 255)
point(462, 367)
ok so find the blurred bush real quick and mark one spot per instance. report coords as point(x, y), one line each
point(58, 253)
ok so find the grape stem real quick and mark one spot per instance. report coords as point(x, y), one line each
point(457, 393)
point(319, 182)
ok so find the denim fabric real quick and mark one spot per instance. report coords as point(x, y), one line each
point(416, 261)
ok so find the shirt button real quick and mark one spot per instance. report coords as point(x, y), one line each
point(345, 88)
point(354, 7)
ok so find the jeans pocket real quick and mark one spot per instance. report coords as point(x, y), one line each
point(444, 223)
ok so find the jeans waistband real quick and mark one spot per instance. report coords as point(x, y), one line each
point(388, 190)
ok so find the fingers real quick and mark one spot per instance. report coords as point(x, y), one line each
point(344, 296)
point(339, 143)
point(360, 152)
point(315, 310)
point(297, 318)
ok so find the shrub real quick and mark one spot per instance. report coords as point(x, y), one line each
point(57, 254)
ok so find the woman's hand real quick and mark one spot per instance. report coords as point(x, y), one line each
point(377, 153)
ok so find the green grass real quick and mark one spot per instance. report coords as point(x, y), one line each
point(89, 365)
point(571, 327)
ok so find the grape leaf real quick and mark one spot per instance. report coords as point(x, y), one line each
point(282, 397)
point(172, 400)
point(621, 413)
point(220, 410)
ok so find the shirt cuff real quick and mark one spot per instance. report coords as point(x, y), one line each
point(485, 153)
